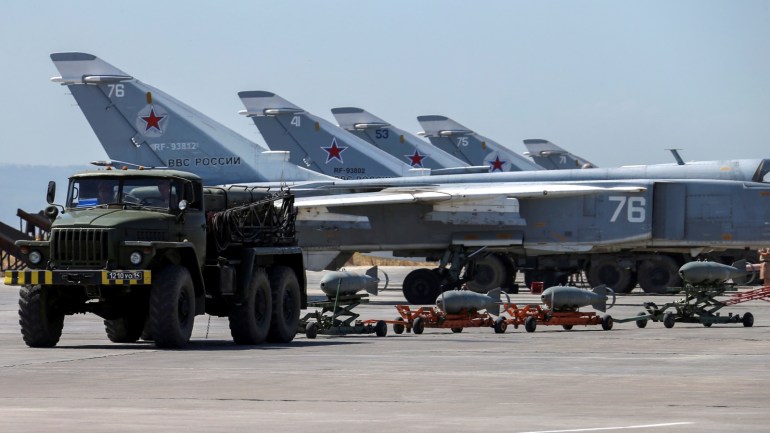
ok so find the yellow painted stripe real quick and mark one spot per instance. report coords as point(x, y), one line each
point(147, 277)
point(105, 281)
point(48, 277)
point(8, 278)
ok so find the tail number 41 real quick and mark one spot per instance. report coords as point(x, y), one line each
point(635, 210)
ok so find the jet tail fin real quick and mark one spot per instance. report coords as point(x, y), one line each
point(142, 125)
point(553, 157)
point(603, 292)
point(316, 143)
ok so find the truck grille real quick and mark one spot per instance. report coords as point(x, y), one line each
point(79, 247)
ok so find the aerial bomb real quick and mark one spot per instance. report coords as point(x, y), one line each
point(454, 301)
point(704, 273)
point(568, 298)
point(350, 283)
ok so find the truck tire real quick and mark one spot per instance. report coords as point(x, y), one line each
point(250, 321)
point(127, 329)
point(172, 307)
point(41, 324)
point(286, 305)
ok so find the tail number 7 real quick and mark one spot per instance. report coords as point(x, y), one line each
point(635, 211)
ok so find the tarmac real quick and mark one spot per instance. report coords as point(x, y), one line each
point(685, 379)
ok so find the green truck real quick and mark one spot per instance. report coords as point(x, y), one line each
point(148, 250)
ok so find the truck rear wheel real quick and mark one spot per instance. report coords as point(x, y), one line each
point(250, 321)
point(172, 307)
point(41, 324)
point(286, 305)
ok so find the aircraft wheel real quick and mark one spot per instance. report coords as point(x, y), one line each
point(641, 323)
point(41, 323)
point(421, 286)
point(457, 330)
point(656, 274)
point(500, 325)
point(669, 320)
point(311, 330)
point(707, 324)
point(607, 322)
point(567, 327)
point(399, 328)
point(607, 271)
point(381, 328)
point(491, 272)
point(747, 320)
point(530, 324)
point(418, 325)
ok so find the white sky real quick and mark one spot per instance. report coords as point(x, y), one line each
point(614, 81)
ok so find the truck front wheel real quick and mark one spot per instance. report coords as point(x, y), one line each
point(41, 324)
point(286, 305)
point(250, 321)
point(172, 307)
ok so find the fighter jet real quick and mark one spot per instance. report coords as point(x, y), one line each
point(553, 157)
point(475, 149)
point(618, 224)
point(414, 151)
point(315, 143)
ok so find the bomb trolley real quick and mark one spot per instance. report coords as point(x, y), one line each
point(336, 317)
point(699, 305)
point(531, 315)
point(431, 317)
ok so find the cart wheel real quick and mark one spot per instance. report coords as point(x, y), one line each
point(381, 328)
point(669, 320)
point(567, 327)
point(457, 330)
point(398, 328)
point(748, 320)
point(500, 325)
point(641, 323)
point(530, 324)
point(418, 325)
point(311, 330)
point(607, 322)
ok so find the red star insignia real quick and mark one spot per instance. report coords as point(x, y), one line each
point(497, 164)
point(152, 121)
point(415, 159)
point(334, 151)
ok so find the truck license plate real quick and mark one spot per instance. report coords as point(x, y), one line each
point(125, 275)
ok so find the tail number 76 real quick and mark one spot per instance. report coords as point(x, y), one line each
point(635, 210)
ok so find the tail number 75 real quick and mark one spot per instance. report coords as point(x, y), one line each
point(635, 210)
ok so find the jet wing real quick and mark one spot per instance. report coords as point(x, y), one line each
point(461, 193)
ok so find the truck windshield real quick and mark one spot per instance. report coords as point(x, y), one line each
point(86, 192)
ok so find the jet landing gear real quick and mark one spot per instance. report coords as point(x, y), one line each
point(482, 274)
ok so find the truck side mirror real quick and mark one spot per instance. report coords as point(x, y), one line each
point(51, 194)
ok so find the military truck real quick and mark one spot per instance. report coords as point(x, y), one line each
point(148, 250)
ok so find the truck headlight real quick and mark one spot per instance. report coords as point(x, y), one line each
point(35, 257)
point(136, 258)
